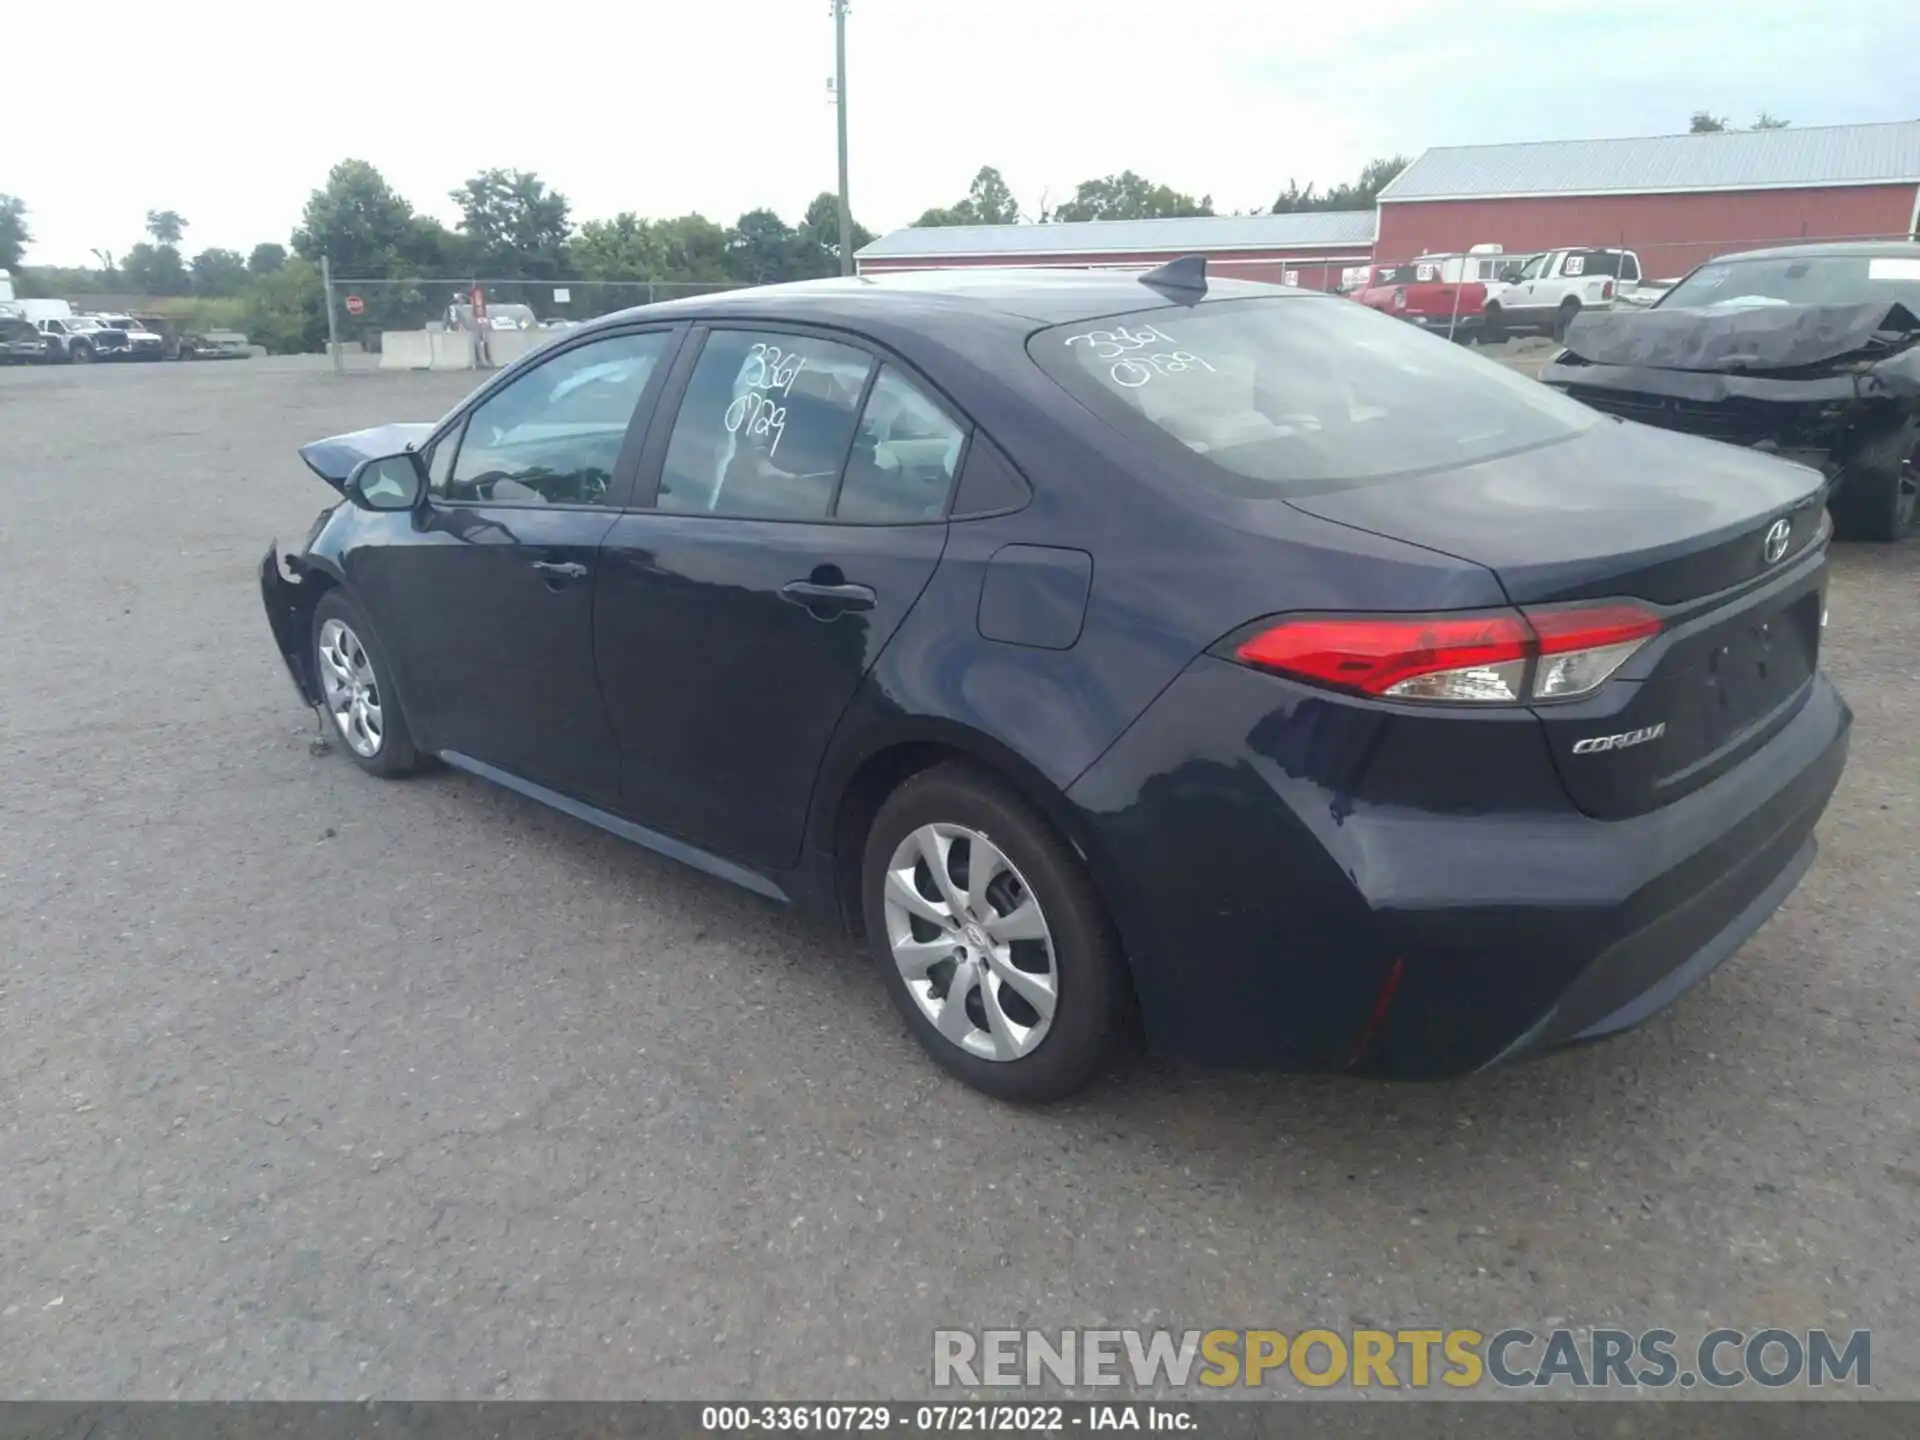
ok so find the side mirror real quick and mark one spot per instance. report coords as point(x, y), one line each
point(1509, 275)
point(391, 482)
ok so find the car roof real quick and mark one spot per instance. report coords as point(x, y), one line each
point(978, 296)
point(1874, 249)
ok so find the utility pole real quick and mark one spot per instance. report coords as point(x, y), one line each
point(840, 106)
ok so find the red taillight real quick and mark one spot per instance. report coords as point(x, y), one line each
point(1375, 653)
point(1606, 291)
point(1589, 627)
point(1500, 657)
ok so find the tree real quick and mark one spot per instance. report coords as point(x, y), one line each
point(1362, 194)
point(166, 226)
point(623, 248)
point(266, 258)
point(358, 222)
point(154, 270)
point(517, 226)
point(693, 250)
point(285, 310)
point(14, 235)
point(430, 248)
point(820, 228)
point(762, 249)
point(1128, 196)
point(218, 272)
point(988, 202)
point(1704, 123)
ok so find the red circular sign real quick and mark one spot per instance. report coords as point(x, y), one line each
point(355, 305)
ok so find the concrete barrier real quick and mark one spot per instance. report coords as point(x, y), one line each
point(453, 349)
point(507, 346)
point(450, 350)
point(406, 350)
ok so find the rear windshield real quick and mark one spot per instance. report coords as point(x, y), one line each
point(1301, 396)
point(1800, 280)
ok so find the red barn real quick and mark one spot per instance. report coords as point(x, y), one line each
point(1676, 199)
point(1309, 249)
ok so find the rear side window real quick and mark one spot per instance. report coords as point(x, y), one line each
point(904, 456)
point(765, 427)
point(1300, 396)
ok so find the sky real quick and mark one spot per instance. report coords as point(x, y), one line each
point(232, 115)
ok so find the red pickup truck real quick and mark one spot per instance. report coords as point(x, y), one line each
point(1417, 292)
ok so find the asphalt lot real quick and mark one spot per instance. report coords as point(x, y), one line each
point(313, 1086)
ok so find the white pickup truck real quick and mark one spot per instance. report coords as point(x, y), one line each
point(1544, 294)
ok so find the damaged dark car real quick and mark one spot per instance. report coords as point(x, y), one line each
point(1810, 352)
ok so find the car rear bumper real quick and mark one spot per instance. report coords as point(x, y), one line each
point(1278, 911)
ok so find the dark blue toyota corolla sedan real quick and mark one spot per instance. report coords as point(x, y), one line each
point(1111, 648)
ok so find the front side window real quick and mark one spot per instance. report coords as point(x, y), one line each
point(1531, 270)
point(765, 427)
point(553, 436)
point(1301, 396)
point(904, 456)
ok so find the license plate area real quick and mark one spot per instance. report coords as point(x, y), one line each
point(1737, 675)
point(1759, 662)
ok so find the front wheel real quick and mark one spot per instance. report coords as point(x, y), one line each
point(992, 940)
point(363, 707)
point(1494, 328)
point(81, 354)
point(1880, 505)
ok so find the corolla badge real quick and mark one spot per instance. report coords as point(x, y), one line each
point(1594, 744)
point(1778, 535)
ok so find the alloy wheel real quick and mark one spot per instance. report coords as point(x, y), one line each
point(352, 689)
point(971, 942)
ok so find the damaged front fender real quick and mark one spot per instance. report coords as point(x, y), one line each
point(286, 591)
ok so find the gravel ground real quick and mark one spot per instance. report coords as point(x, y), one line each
point(319, 1087)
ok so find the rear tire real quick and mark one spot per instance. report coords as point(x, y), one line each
point(1878, 505)
point(359, 701)
point(1038, 985)
point(1563, 317)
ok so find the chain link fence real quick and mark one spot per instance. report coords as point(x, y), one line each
point(360, 309)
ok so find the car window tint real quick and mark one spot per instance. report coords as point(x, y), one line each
point(765, 426)
point(553, 436)
point(1629, 268)
point(904, 455)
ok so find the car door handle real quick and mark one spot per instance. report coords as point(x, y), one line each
point(560, 572)
point(827, 600)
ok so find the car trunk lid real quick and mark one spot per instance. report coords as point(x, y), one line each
point(1726, 545)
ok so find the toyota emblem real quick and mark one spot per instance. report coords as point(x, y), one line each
point(1778, 535)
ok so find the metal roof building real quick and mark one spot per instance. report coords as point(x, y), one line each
point(1677, 199)
point(1305, 249)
